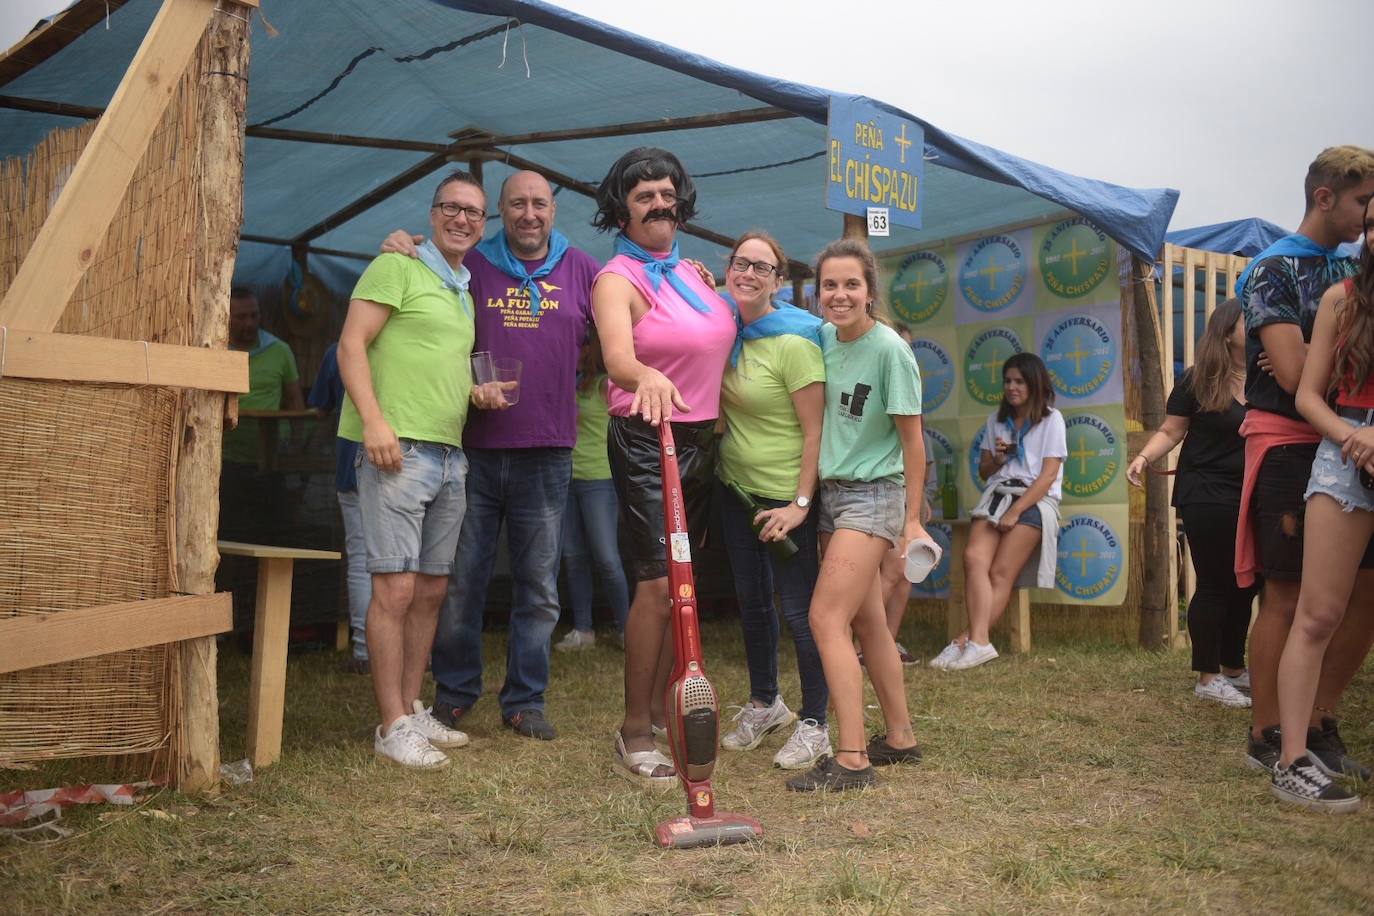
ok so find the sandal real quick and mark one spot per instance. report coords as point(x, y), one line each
point(639, 766)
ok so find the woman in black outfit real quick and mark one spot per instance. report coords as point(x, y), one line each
point(1205, 411)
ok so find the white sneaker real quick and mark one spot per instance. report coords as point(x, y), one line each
point(808, 744)
point(404, 746)
point(1221, 690)
point(947, 656)
point(972, 656)
point(1241, 681)
point(574, 640)
point(756, 723)
point(436, 733)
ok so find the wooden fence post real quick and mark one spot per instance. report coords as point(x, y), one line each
point(1158, 599)
point(198, 464)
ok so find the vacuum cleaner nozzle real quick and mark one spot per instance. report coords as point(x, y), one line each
point(720, 830)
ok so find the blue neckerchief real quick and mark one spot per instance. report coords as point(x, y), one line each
point(456, 280)
point(1290, 246)
point(497, 251)
point(265, 340)
point(658, 268)
point(1020, 433)
point(784, 318)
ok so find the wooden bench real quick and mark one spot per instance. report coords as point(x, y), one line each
point(1018, 609)
point(271, 629)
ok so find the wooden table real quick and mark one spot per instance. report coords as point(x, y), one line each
point(271, 628)
point(1018, 611)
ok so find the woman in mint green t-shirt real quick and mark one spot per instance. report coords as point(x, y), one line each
point(872, 468)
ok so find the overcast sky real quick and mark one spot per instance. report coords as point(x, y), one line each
point(1227, 101)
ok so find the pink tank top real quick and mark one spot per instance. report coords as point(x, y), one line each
point(687, 346)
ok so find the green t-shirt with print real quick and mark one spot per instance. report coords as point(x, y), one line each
point(865, 381)
point(589, 458)
point(270, 366)
point(420, 358)
point(762, 447)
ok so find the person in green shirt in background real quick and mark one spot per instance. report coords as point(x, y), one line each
point(590, 520)
point(872, 468)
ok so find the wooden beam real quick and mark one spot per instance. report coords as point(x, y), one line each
point(60, 31)
point(78, 358)
point(66, 245)
point(416, 172)
point(305, 136)
point(32, 641)
point(655, 125)
point(43, 106)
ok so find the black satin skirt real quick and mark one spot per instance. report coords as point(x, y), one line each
point(636, 469)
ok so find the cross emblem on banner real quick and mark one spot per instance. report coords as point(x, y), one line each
point(991, 271)
point(1077, 354)
point(903, 142)
point(1083, 554)
point(1083, 454)
point(1073, 254)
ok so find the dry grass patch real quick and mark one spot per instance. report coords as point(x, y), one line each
point(1073, 779)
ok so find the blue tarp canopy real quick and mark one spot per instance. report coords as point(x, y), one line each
point(1246, 237)
point(421, 70)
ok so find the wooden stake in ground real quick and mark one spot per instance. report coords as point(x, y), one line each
point(198, 463)
point(1158, 600)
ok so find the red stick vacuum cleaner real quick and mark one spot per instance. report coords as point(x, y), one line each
point(692, 711)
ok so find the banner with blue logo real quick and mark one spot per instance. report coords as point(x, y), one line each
point(1052, 289)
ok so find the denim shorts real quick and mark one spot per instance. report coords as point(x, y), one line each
point(1030, 518)
point(876, 507)
point(1338, 478)
point(411, 517)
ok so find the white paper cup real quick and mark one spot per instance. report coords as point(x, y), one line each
point(922, 555)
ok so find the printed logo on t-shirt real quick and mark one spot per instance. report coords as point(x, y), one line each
point(852, 402)
point(515, 306)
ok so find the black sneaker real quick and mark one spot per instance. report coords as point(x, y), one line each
point(531, 724)
point(447, 713)
point(1303, 783)
point(1263, 754)
point(1327, 750)
point(880, 753)
point(827, 774)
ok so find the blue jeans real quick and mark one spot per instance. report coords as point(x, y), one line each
point(527, 489)
point(359, 581)
point(411, 517)
point(758, 574)
point(589, 543)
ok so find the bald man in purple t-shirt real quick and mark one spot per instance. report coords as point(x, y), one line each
point(532, 293)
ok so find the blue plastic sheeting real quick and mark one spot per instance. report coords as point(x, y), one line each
point(1246, 237)
point(420, 69)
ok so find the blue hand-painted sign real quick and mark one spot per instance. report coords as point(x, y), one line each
point(876, 160)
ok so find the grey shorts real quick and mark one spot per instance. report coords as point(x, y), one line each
point(411, 517)
point(876, 507)
point(1337, 478)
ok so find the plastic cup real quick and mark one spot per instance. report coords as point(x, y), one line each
point(922, 555)
point(508, 370)
point(483, 371)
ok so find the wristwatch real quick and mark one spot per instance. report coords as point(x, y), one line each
point(803, 501)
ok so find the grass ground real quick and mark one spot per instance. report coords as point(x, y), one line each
point(1071, 779)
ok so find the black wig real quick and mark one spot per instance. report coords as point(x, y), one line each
point(645, 163)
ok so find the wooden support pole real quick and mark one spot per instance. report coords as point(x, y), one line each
point(1158, 604)
point(66, 245)
point(1019, 620)
point(198, 461)
point(60, 31)
point(855, 227)
point(956, 612)
point(78, 358)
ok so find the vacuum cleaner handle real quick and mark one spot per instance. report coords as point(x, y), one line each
point(681, 583)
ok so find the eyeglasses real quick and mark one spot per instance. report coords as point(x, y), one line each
point(760, 268)
point(451, 210)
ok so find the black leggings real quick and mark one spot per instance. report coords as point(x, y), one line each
point(1219, 614)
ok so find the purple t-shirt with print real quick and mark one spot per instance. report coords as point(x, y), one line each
point(547, 344)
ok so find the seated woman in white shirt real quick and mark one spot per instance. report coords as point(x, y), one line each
point(1022, 460)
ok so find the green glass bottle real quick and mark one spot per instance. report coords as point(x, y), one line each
point(785, 549)
point(949, 492)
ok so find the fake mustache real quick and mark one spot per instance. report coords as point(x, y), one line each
point(669, 214)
